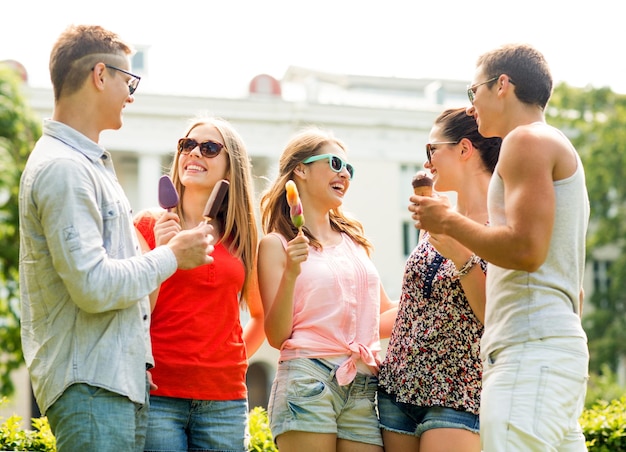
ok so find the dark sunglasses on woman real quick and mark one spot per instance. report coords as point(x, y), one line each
point(208, 149)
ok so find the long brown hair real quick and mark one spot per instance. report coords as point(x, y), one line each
point(236, 217)
point(275, 214)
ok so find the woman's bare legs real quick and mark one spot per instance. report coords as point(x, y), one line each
point(295, 441)
point(399, 442)
point(449, 440)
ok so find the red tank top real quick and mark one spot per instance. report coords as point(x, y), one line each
point(197, 337)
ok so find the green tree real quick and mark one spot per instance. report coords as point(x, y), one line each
point(19, 129)
point(594, 119)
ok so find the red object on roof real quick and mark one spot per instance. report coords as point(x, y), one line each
point(18, 67)
point(265, 84)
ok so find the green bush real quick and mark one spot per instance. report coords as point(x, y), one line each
point(40, 439)
point(603, 385)
point(604, 426)
point(14, 437)
point(261, 439)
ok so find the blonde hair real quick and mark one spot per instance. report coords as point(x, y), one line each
point(275, 215)
point(236, 217)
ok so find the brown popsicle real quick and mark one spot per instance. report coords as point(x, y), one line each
point(422, 184)
point(215, 200)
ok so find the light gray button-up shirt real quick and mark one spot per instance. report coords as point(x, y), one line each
point(84, 283)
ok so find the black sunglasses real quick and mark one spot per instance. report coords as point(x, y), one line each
point(430, 148)
point(208, 149)
point(133, 82)
point(471, 90)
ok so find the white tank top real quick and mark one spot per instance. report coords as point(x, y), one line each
point(523, 306)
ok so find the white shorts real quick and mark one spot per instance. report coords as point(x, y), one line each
point(532, 396)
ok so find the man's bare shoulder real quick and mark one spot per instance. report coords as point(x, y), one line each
point(542, 144)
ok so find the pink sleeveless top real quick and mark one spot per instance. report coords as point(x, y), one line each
point(337, 310)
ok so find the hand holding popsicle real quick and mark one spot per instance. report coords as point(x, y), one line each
point(293, 199)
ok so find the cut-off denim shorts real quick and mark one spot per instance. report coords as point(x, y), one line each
point(406, 418)
point(306, 397)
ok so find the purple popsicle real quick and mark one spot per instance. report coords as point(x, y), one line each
point(168, 197)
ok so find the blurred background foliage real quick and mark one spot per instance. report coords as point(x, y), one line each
point(19, 129)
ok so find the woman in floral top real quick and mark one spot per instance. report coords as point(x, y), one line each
point(430, 380)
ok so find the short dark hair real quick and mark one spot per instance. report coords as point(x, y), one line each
point(526, 67)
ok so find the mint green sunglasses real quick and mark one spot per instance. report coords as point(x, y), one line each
point(336, 163)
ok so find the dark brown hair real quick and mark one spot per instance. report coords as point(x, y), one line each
point(526, 67)
point(456, 124)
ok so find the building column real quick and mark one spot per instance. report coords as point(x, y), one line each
point(149, 170)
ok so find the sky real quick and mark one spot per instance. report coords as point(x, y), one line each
point(214, 48)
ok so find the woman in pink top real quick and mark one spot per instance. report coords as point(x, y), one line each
point(323, 301)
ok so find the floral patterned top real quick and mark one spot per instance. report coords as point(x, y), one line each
point(433, 353)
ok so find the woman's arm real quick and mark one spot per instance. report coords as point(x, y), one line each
point(254, 333)
point(473, 282)
point(388, 312)
point(278, 269)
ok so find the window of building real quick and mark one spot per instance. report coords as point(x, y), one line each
point(410, 235)
point(139, 60)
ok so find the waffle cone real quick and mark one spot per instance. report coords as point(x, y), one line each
point(424, 190)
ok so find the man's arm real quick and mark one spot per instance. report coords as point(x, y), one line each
point(526, 165)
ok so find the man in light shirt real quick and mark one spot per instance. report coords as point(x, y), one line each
point(84, 282)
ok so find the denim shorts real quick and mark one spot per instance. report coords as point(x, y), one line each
point(203, 425)
point(400, 417)
point(306, 397)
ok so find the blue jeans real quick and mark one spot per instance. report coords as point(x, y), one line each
point(90, 418)
point(196, 425)
point(533, 394)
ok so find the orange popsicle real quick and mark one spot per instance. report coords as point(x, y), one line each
point(293, 199)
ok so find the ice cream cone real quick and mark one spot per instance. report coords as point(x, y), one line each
point(422, 184)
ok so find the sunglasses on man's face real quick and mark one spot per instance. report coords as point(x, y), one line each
point(208, 149)
point(336, 163)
